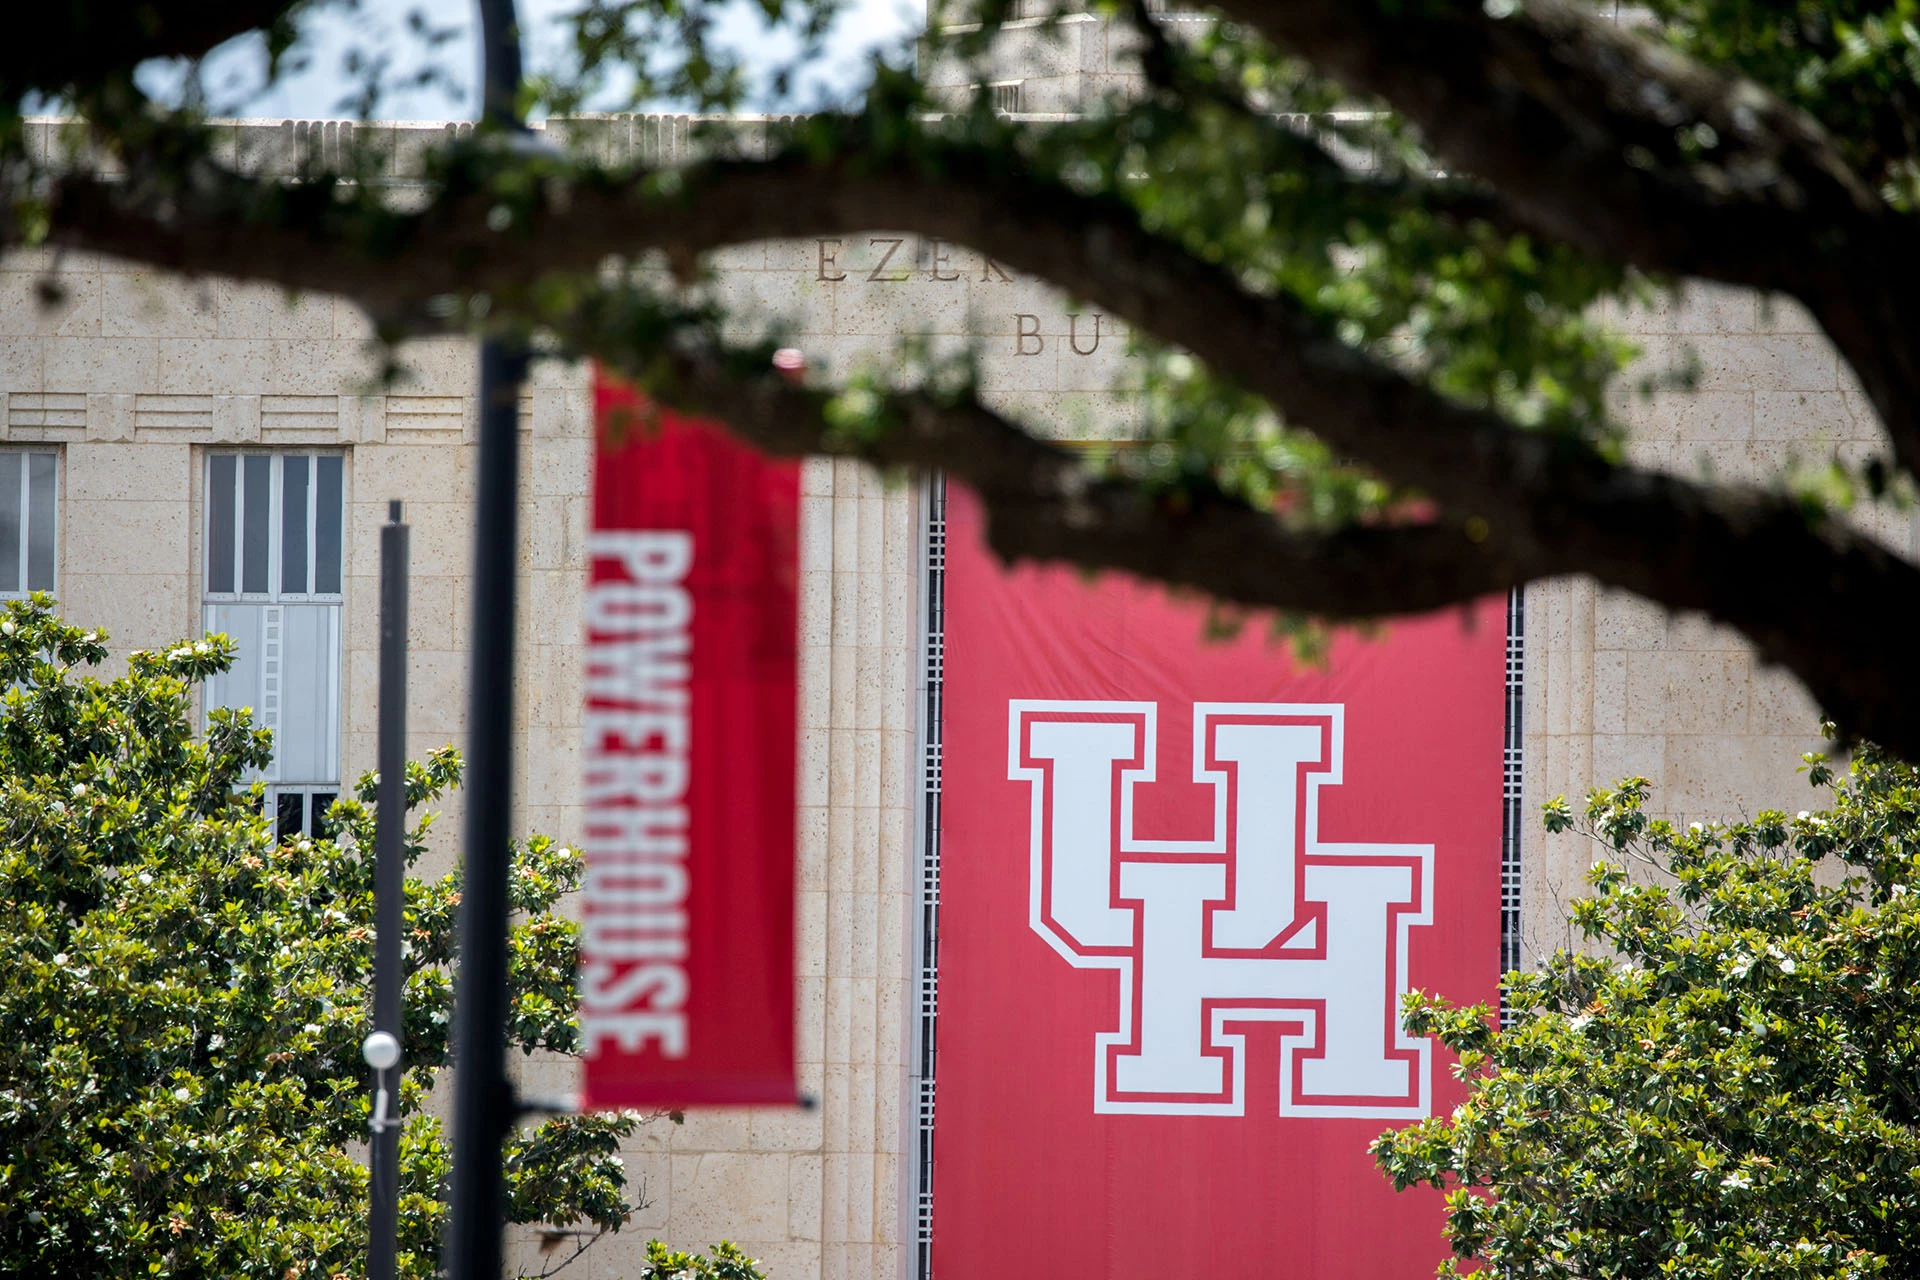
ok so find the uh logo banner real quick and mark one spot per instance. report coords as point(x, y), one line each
point(1184, 886)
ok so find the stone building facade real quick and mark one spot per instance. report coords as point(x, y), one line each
point(154, 419)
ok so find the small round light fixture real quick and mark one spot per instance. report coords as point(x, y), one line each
point(381, 1050)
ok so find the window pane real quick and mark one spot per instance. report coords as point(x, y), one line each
point(293, 527)
point(40, 523)
point(326, 524)
point(220, 482)
point(241, 684)
point(307, 742)
point(10, 513)
point(255, 511)
point(322, 801)
point(287, 823)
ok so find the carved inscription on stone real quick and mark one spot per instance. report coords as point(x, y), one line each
point(882, 260)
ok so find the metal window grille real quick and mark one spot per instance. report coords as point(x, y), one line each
point(29, 503)
point(927, 816)
point(1511, 816)
point(1006, 97)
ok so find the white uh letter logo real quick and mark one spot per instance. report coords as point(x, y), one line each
point(1260, 923)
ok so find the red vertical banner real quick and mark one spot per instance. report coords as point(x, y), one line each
point(1184, 885)
point(686, 949)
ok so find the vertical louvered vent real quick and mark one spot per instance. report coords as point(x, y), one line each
point(927, 918)
point(1511, 817)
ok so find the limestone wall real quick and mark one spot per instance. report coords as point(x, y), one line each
point(1617, 688)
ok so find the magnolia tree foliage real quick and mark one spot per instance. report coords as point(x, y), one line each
point(183, 996)
point(1726, 1081)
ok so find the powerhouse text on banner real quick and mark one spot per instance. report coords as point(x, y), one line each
point(686, 951)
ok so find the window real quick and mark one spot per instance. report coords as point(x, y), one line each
point(274, 528)
point(1006, 96)
point(300, 810)
point(29, 490)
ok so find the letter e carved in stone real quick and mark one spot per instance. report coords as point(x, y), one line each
point(828, 271)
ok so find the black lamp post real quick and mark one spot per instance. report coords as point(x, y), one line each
point(383, 1048)
point(483, 1105)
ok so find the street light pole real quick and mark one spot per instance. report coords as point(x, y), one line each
point(483, 1105)
point(389, 889)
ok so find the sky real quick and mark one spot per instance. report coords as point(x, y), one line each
point(233, 76)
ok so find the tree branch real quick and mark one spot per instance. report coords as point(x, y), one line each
point(1188, 81)
point(1549, 504)
point(1724, 551)
point(82, 43)
point(1092, 247)
point(1044, 504)
point(1597, 136)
